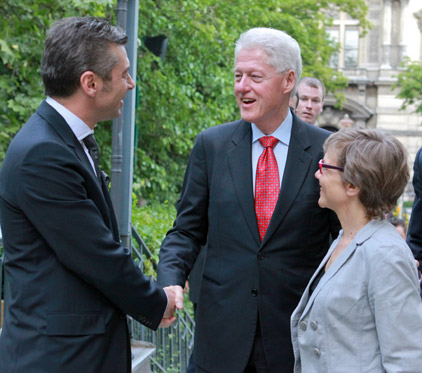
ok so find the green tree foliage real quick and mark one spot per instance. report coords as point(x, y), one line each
point(410, 84)
point(193, 88)
point(188, 92)
point(23, 26)
point(152, 222)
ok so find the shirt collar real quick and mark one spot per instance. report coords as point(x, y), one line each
point(77, 125)
point(282, 133)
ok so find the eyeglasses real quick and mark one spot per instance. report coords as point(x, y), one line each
point(324, 165)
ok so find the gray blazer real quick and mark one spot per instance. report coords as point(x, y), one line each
point(365, 315)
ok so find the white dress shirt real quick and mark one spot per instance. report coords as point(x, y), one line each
point(77, 125)
point(282, 133)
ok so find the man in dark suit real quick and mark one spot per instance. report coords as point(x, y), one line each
point(254, 272)
point(414, 233)
point(71, 281)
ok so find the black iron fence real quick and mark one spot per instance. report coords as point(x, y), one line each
point(174, 345)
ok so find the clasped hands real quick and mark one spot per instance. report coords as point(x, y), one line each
point(175, 301)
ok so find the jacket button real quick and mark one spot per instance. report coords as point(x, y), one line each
point(260, 255)
point(254, 292)
point(317, 352)
point(303, 325)
point(314, 325)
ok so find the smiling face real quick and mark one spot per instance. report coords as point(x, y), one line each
point(261, 92)
point(333, 191)
point(310, 103)
point(109, 100)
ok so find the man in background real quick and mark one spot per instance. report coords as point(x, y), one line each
point(311, 99)
point(71, 281)
point(414, 233)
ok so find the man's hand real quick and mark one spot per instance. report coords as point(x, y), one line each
point(175, 300)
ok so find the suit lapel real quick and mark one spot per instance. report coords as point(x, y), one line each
point(112, 222)
point(308, 301)
point(364, 234)
point(240, 162)
point(297, 167)
point(58, 123)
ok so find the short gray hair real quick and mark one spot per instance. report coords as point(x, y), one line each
point(283, 51)
point(373, 161)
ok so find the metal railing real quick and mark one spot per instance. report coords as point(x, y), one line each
point(174, 345)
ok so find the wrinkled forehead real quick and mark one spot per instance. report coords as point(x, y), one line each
point(253, 59)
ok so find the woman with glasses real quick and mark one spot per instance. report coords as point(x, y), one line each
point(361, 311)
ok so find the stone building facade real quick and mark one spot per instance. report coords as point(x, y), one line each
point(372, 64)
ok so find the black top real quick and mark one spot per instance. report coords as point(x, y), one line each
point(316, 281)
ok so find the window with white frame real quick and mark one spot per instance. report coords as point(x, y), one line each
point(345, 34)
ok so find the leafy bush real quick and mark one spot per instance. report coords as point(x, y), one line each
point(152, 222)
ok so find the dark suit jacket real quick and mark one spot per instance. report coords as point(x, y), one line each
point(243, 276)
point(414, 233)
point(195, 276)
point(71, 281)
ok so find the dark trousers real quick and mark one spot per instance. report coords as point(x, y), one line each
point(257, 361)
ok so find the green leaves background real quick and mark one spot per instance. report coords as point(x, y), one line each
point(188, 92)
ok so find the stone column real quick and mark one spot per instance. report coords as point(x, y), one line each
point(386, 28)
point(404, 10)
point(418, 16)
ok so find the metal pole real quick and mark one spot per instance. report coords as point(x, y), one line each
point(123, 128)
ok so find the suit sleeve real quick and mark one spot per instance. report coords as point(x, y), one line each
point(53, 193)
point(395, 302)
point(414, 235)
point(181, 246)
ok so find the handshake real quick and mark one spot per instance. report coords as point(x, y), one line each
point(174, 300)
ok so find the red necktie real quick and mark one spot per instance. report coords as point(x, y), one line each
point(267, 184)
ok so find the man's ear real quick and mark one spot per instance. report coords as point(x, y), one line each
point(289, 81)
point(89, 83)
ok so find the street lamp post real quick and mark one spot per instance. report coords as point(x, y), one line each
point(123, 128)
